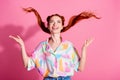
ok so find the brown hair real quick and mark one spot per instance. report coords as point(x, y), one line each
point(49, 17)
point(72, 21)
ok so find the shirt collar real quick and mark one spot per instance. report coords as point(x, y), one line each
point(48, 48)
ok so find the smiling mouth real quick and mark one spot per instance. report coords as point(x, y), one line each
point(55, 28)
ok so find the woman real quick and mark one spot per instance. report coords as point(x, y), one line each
point(56, 59)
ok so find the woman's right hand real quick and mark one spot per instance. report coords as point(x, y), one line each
point(18, 39)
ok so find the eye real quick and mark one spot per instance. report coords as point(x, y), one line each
point(51, 21)
point(59, 21)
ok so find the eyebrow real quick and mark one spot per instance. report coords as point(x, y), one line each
point(57, 20)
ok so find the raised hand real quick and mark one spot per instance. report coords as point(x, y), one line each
point(83, 54)
point(88, 42)
point(18, 39)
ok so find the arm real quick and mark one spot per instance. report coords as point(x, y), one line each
point(21, 43)
point(83, 54)
point(24, 56)
point(83, 59)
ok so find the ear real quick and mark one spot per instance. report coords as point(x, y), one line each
point(62, 27)
point(48, 27)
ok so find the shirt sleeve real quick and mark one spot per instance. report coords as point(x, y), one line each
point(75, 58)
point(38, 60)
point(34, 61)
point(31, 64)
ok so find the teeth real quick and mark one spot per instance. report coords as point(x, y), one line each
point(55, 28)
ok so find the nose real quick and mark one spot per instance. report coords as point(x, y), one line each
point(54, 23)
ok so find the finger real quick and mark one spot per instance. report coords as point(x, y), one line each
point(14, 38)
point(92, 38)
point(11, 36)
point(18, 36)
point(90, 41)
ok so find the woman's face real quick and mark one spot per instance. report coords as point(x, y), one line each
point(55, 25)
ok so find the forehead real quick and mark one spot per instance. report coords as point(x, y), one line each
point(55, 18)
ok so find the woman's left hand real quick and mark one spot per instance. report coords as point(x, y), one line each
point(88, 42)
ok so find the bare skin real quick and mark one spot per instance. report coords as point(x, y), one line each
point(55, 26)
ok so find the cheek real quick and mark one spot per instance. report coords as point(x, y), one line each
point(61, 27)
point(50, 25)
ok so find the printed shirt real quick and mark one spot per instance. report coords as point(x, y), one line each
point(61, 62)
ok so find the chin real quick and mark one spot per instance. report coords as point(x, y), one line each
point(56, 32)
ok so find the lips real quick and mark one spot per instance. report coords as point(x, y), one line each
point(54, 27)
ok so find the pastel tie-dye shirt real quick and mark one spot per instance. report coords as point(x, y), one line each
point(61, 62)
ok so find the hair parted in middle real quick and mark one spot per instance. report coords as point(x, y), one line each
point(72, 21)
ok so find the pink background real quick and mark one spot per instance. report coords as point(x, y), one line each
point(103, 55)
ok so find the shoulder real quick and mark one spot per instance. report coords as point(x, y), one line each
point(43, 42)
point(68, 42)
point(40, 45)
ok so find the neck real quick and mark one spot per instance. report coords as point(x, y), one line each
point(56, 38)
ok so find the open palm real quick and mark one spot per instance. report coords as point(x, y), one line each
point(88, 42)
point(18, 39)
